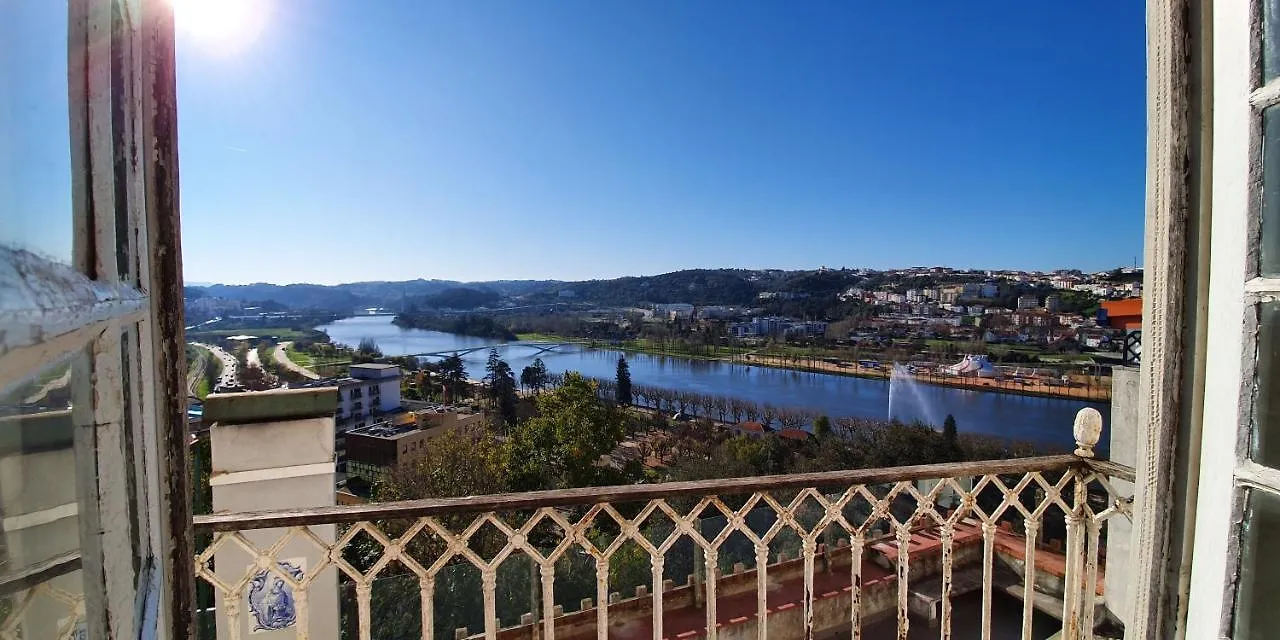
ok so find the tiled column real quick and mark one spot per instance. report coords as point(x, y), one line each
point(275, 450)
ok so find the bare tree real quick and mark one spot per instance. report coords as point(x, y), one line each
point(735, 409)
point(767, 414)
point(721, 405)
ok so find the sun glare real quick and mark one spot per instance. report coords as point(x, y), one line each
point(220, 26)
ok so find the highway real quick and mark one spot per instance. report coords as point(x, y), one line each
point(230, 375)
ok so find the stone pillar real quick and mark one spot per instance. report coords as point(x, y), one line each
point(275, 450)
point(1126, 423)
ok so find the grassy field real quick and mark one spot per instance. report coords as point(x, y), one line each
point(538, 337)
point(321, 366)
point(300, 358)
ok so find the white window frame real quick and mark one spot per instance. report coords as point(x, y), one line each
point(116, 314)
point(1235, 290)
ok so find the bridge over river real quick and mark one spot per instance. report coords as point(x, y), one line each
point(539, 347)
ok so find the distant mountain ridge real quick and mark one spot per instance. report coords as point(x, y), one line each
point(696, 286)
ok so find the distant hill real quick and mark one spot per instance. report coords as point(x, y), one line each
point(461, 298)
point(696, 286)
point(343, 298)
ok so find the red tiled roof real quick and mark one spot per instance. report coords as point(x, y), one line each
point(794, 434)
point(751, 426)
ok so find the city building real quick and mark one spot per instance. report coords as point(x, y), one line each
point(1052, 303)
point(1028, 301)
point(1125, 315)
point(373, 451)
point(673, 311)
point(371, 390)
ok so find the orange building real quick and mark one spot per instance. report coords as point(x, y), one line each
point(1121, 314)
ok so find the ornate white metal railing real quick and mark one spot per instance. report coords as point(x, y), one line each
point(871, 548)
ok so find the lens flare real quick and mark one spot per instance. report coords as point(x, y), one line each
point(223, 27)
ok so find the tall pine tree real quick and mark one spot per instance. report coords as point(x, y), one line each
point(622, 391)
point(500, 383)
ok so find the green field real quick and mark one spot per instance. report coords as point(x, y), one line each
point(300, 358)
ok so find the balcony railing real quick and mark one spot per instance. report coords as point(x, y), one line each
point(862, 552)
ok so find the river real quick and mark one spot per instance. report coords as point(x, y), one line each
point(1044, 421)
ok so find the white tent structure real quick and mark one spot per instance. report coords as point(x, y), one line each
point(974, 365)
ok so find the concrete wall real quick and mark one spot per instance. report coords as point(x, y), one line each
point(1126, 425)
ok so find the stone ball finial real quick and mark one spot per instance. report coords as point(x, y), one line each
point(1088, 428)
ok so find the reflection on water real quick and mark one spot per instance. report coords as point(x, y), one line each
point(1045, 421)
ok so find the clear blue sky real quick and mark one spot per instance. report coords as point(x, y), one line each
point(574, 139)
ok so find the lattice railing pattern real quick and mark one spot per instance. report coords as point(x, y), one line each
point(54, 612)
point(896, 536)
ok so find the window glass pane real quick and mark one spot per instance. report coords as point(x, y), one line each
point(1266, 416)
point(1270, 45)
point(1270, 251)
point(35, 155)
point(1257, 615)
point(39, 510)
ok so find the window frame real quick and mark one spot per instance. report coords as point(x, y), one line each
point(1236, 291)
point(116, 314)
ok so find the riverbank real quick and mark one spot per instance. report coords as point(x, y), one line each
point(1089, 388)
point(1099, 392)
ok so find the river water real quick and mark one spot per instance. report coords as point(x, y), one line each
point(1044, 421)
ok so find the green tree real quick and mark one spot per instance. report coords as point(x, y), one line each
point(822, 426)
point(535, 375)
point(622, 392)
point(369, 347)
point(562, 444)
point(500, 385)
point(951, 438)
point(453, 377)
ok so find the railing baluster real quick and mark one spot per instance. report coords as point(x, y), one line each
point(762, 590)
point(904, 574)
point(855, 585)
point(1089, 591)
point(948, 535)
point(548, 572)
point(712, 564)
point(364, 593)
point(988, 564)
point(231, 602)
point(1032, 528)
point(656, 564)
point(489, 585)
point(602, 598)
point(809, 548)
point(302, 610)
point(427, 600)
point(1071, 629)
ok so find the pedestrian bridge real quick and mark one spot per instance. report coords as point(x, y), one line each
point(538, 347)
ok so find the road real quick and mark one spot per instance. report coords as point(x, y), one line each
point(283, 359)
point(230, 376)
